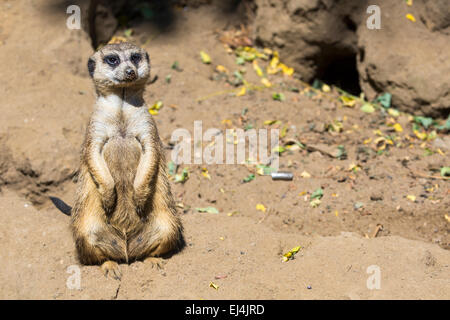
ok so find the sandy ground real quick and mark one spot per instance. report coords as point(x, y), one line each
point(47, 97)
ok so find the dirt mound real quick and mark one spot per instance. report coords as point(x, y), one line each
point(241, 257)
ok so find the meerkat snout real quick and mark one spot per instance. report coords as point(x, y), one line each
point(130, 74)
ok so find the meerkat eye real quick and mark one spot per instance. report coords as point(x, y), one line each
point(135, 58)
point(112, 60)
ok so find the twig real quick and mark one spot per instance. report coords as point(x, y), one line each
point(377, 229)
point(423, 175)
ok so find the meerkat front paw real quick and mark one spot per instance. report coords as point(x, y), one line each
point(111, 268)
point(109, 199)
point(140, 202)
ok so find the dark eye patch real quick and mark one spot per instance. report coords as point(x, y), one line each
point(135, 58)
point(91, 67)
point(112, 60)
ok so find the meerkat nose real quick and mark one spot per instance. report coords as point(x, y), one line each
point(131, 75)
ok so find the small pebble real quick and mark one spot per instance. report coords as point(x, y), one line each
point(309, 287)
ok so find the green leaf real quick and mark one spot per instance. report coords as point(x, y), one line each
point(445, 126)
point(358, 205)
point(264, 170)
point(208, 210)
point(384, 99)
point(128, 32)
point(182, 177)
point(172, 167)
point(249, 178)
point(168, 78)
point(445, 171)
point(176, 66)
point(317, 84)
point(318, 194)
point(248, 126)
point(424, 121)
point(240, 60)
point(278, 96)
point(279, 149)
point(367, 108)
point(342, 153)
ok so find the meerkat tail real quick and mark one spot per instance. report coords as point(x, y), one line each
point(61, 206)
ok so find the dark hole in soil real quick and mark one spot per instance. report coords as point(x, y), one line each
point(342, 72)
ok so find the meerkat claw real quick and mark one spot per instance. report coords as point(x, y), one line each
point(111, 268)
point(155, 262)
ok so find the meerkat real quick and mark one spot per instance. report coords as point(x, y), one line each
point(124, 210)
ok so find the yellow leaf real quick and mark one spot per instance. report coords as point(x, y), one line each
point(409, 16)
point(221, 69)
point(155, 107)
point(315, 203)
point(302, 193)
point(284, 131)
point(266, 82)
point(409, 2)
point(268, 51)
point(117, 39)
point(326, 88)
point(447, 218)
point(336, 213)
point(420, 135)
point(260, 207)
point(257, 69)
point(205, 173)
point(353, 167)
point(369, 140)
point(411, 197)
point(378, 132)
point(305, 175)
point(286, 70)
point(348, 101)
point(290, 254)
point(241, 92)
point(205, 57)
point(275, 60)
point(398, 127)
point(213, 285)
point(270, 122)
point(227, 122)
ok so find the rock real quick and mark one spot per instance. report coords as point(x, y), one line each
point(329, 40)
point(443, 143)
point(406, 59)
point(376, 197)
point(310, 35)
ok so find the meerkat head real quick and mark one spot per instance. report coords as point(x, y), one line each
point(119, 65)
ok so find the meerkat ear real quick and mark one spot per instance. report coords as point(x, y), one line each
point(91, 66)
